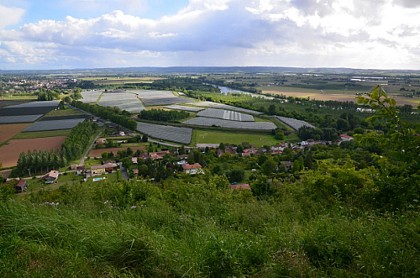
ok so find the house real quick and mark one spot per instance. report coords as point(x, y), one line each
point(158, 155)
point(102, 169)
point(134, 160)
point(249, 152)
point(80, 169)
point(242, 186)
point(101, 141)
point(192, 169)
point(50, 177)
point(21, 186)
point(345, 137)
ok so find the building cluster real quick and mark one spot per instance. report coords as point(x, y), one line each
point(20, 85)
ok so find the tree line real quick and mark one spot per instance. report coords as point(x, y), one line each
point(163, 115)
point(113, 114)
point(36, 162)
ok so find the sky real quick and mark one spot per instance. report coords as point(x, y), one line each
point(67, 34)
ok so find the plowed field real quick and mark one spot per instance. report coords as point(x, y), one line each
point(10, 130)
point(9, 154)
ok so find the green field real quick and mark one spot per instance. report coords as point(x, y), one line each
point(18, 97)
point(215, 137)
point(42, 134)
point(63, 112)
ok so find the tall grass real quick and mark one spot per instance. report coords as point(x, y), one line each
point(189, 228)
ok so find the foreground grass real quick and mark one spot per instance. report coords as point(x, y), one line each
point(189, 228)
point(42, 134)
point(216, 137)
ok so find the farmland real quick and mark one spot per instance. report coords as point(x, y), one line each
point(184, 108)
point(225, 115)
point(10, 130)
point(216, 137)
point(294, 123)
point(112, 80)
point(10, 152)
point(53, 125)
point(157, 98)
point(91, 96)
point(211, 122)
point(42, 134)
point(335, 95)
point(25, 112)
point(19, 119)
point(124, 100)
point(63, 113)
point(174, 134)
point(225, 106)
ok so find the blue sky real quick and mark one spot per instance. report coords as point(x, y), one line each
point(58, 10)
point(47, 34)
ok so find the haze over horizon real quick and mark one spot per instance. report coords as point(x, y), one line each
point(71, 34)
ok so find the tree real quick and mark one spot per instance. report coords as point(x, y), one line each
point(272, 109)
point(236, 175)
point(268, 167)
point(399, 167)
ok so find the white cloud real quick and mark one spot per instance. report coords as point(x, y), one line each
point(10, 15)
point(348, 33)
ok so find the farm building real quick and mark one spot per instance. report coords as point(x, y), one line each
point(21, 186)
point(50, 177)
point(192, 169)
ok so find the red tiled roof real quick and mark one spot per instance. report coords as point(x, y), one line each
point(244, 186)
point(191, 166)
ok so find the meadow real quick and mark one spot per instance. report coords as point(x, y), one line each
point(202, 136)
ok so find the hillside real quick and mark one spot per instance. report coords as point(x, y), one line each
point(347, 210)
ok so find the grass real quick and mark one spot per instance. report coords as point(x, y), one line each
point(214, 137)
point(62, 112)
point(137, 229)
point(42, 134)
point(18, 97)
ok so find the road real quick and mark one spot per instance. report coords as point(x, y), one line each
point(82, 160)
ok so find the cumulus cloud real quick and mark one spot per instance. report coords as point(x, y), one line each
point(350, 33)
point(10, 15)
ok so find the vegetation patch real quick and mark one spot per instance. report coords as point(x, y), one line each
point(42, 134)
point(215, 137)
